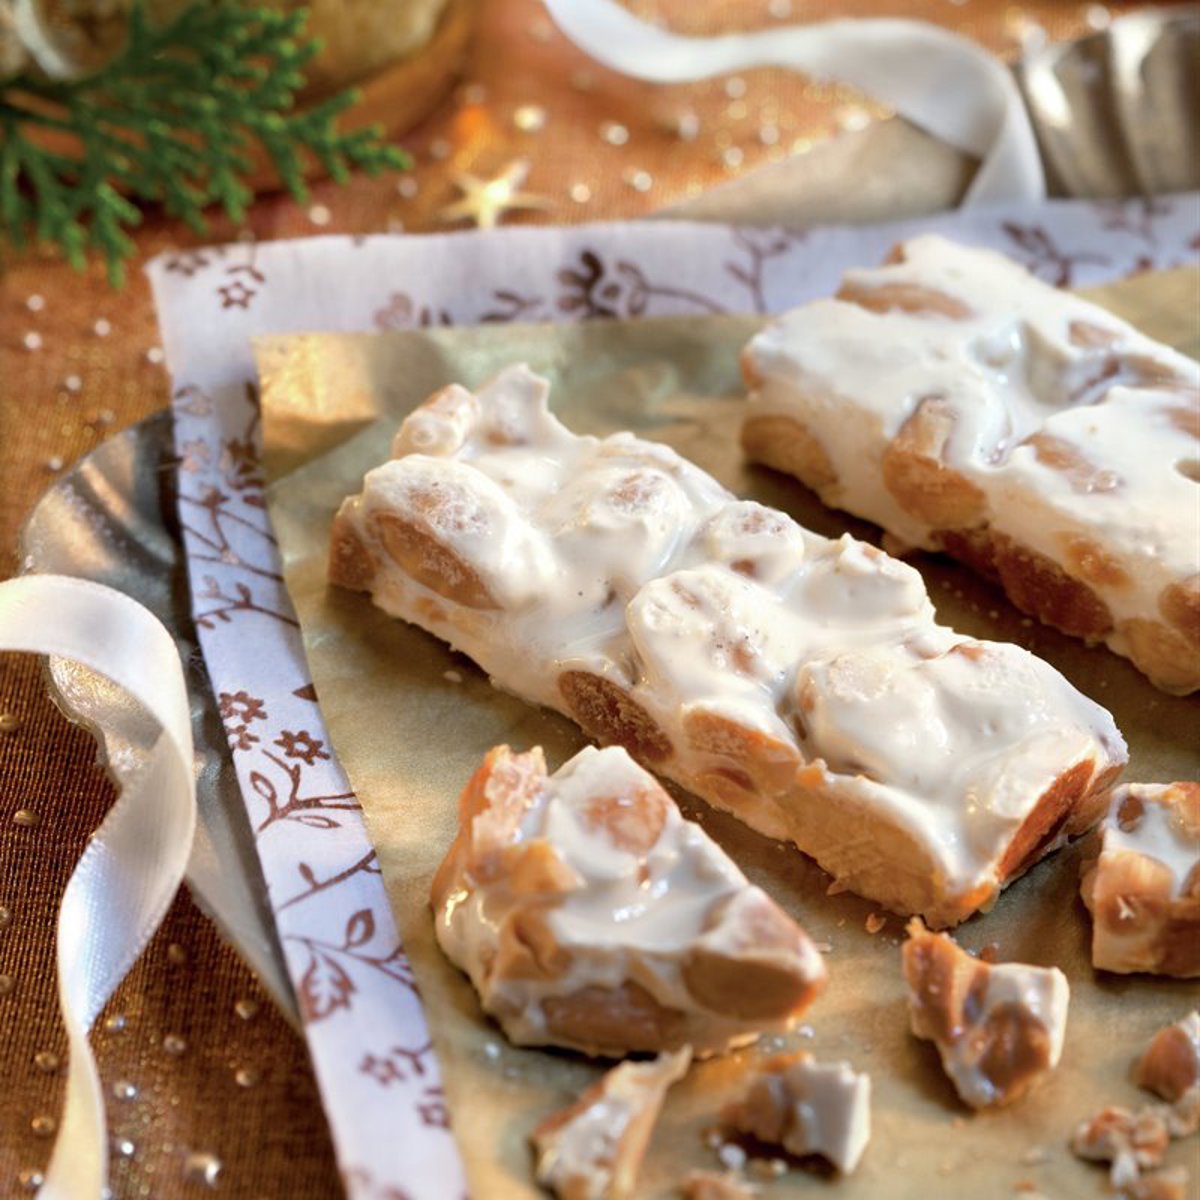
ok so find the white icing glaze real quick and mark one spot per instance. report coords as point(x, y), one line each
point(619, 558)
point(1159, 832)
point(1008, 369)
point(633, 912)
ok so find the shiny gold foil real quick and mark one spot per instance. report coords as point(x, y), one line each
point(410, 733)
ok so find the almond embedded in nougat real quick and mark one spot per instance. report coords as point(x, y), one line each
point(998, 1027)
point(593, 1149)
point(589, 914)
point(1170, 1065)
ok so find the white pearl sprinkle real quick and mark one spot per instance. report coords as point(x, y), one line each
point(246, 1009)
point(687, 126)
point(1098, 17)
point(732, 1156)
point(202, 1168)
point(319, 214)
point(640, 181)
point(47, 1061)
point(769, 135)
point(439, 149)
point(102, 327)
point(32, 341)
point(735, 87)
point(472, 93)
point(580, 193)
point(614, 133)
point(408, 187)
point(732, 156)
point(124, 1148)
point(73, 384)
point(529, 118)
point(35, 302)
point(155, 355)
point(852, 118)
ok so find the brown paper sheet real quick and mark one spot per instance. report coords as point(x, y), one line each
point(410, 735)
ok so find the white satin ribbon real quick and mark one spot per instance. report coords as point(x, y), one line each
point(940, 82)
point(134, 863)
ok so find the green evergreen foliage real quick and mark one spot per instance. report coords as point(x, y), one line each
point(169, 120)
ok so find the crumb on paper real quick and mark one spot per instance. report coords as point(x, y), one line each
point(1129, 1141)
point(595, 1146)
point(807, 1108)
point(767, 1168)
point(731, 1156)
point(709, 1185)
point(874, 922)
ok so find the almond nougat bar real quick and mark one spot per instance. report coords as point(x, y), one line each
point(965, 406)
point(798, 682)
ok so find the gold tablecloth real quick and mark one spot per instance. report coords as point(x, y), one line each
point(205, 1081)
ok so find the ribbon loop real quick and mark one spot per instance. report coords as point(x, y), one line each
point(941, 82)
point(133, 866)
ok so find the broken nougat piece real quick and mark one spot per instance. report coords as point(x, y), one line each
point(1170, 1066)
point(1143, 890)
point(965, 406)
point(592, 1149)
point(799, 683)
point(807, 1107)
point(998, 1027)
point(1130, 1141)
point(589, 914)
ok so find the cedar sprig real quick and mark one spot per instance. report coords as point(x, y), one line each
point(170, 120)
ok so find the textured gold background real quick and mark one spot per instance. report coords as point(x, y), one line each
point(80, 384)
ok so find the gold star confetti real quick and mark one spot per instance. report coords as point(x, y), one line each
point(485, 201)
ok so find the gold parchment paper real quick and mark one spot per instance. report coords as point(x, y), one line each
point(409, 735)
